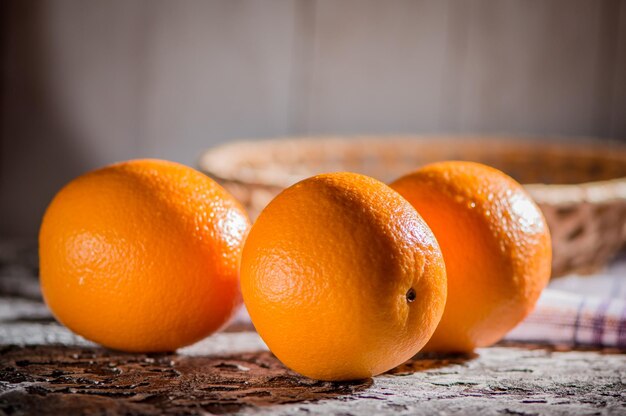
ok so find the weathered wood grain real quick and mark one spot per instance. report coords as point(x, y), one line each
point(47, 370)
point(75, 379)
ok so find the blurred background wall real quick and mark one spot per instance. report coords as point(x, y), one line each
point(86, 83)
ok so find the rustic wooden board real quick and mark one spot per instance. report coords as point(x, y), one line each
point(51, 371)
point(45, 369)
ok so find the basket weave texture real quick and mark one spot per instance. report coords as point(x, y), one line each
point(579, 185)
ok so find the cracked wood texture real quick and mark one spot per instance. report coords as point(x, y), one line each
point(50, 371)
point(47, 370)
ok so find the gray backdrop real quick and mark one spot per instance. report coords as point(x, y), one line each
point(86, 83)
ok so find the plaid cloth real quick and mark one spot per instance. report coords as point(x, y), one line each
point(579, 310)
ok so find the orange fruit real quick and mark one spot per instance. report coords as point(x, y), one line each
point(495, 244)
point(342, 278)
point(142, 255)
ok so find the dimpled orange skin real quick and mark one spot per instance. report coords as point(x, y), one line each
point(325, 274)
point(495, 243)
point(142, 255)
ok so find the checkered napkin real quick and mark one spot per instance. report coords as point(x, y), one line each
point(579, 310)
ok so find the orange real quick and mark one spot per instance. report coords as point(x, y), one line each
point(342, 278)
point(142, 255)
point(495, 244)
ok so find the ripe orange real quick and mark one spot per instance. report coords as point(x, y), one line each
point(342, 278)
point(142, 255)
point(495, 244)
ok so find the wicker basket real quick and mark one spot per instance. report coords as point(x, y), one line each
point(580, 186)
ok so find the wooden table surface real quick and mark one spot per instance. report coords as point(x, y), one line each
point(45, 369)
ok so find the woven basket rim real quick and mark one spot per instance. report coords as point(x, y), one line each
point(224, 161)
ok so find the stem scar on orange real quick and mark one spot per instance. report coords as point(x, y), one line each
point(495, 243)
point(342, 278)
point(142, 255)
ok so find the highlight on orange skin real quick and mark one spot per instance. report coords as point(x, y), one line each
point(496, 247)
